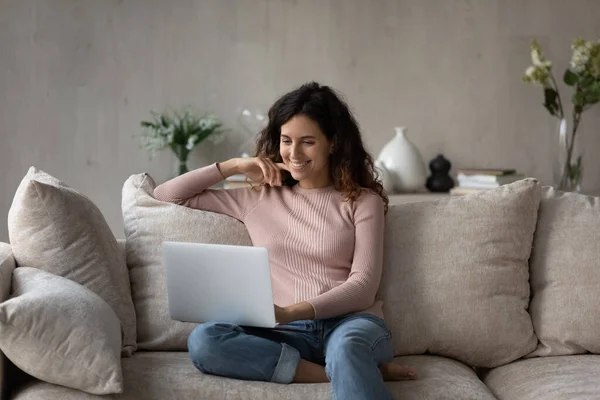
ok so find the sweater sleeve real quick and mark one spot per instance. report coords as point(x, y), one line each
point(192, 190)
point(360, 289)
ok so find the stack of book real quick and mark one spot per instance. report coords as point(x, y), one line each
point(236, 181)
point(472, 180)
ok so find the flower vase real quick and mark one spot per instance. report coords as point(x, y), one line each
point(404, 163)
point(568, 159)
point(182, 153)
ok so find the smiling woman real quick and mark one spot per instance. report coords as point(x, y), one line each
point(313, 121)
point(320, 212)
point(305, 150)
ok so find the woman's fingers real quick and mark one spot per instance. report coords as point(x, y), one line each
point(271, 171)
point(266, 170)
point(276, 174)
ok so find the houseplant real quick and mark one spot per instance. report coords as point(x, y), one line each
point(583, 76)
point(181, 131)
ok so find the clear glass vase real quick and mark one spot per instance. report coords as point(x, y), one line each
point(182, 153)
point(567, 159)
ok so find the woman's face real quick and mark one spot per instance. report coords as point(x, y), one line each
point(305, 150)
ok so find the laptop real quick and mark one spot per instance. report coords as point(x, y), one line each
point(222, 283)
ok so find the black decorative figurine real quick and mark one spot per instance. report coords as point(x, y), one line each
point(439, 180)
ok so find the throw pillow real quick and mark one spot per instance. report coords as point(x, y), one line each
point(455, 280)
point(60, 332)
point(149, 222)
point(55, 228)
point(565, 275)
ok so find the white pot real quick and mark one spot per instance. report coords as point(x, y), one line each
point(385, 176)
point(404, 163)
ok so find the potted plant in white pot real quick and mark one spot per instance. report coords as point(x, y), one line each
point(181, 132)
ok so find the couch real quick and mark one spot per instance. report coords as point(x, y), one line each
point(492, 295)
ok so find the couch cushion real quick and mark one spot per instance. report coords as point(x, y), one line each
point(57, 229)
point(548, 378)
point(565, 275)
point(455, 277)
point(148, 222)
point(61, 332)
point(166, 375)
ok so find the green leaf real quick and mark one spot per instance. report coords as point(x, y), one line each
point(586, 81)
point(551, 100)
point(570, 78)
point(578, 99)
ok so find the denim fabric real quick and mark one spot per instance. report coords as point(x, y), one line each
point(350, 347)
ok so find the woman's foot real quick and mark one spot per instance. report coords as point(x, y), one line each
point(397, 372)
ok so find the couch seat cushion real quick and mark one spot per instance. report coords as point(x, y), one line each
point(171, 375)
point(548, 378)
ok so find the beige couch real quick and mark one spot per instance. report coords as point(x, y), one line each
point(491, 295)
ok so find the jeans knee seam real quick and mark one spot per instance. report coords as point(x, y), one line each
point(387, 336)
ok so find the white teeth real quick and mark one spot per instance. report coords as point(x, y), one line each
point(299, 165)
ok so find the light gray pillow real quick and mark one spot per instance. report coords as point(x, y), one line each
point(565, 275)
point(455, 280)
point(149, 222)
point(60, 332)
point(57, 229)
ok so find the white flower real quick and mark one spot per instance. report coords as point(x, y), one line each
point(207, 122)
point(191, 142)
point(529, 71)
point(581, 56)
point(537, 58)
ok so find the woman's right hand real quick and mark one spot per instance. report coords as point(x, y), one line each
point(261, 170)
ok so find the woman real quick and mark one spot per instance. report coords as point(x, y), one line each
point(319, 211)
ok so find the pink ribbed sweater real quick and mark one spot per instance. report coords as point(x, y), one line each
point(321, 248)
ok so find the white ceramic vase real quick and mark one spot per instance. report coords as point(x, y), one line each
point(385, 177)
point(403, 163)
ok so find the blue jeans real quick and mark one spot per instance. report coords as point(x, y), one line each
point(351, 348)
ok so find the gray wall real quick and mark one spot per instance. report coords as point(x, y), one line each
point(76, 77)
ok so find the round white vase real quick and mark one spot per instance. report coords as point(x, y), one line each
point(385, 177)
point(404, 163)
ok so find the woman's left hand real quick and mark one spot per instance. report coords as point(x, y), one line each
point(295, 312)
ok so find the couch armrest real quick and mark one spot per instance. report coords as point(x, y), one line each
point(7, 265)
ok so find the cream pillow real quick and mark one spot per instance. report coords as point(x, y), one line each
point(149, 222)
point(455, 280)
point(60, 332)
point(54, 228)
point(565, 275)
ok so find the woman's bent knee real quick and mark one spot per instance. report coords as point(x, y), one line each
point(205, 343)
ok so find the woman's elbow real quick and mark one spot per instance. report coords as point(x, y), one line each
point(160, 193)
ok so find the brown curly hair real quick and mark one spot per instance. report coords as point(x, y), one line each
point(350, 165)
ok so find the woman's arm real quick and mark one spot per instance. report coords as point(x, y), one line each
point(360, 289)
point(192, 190)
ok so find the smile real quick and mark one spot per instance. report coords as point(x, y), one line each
point(299, 165)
